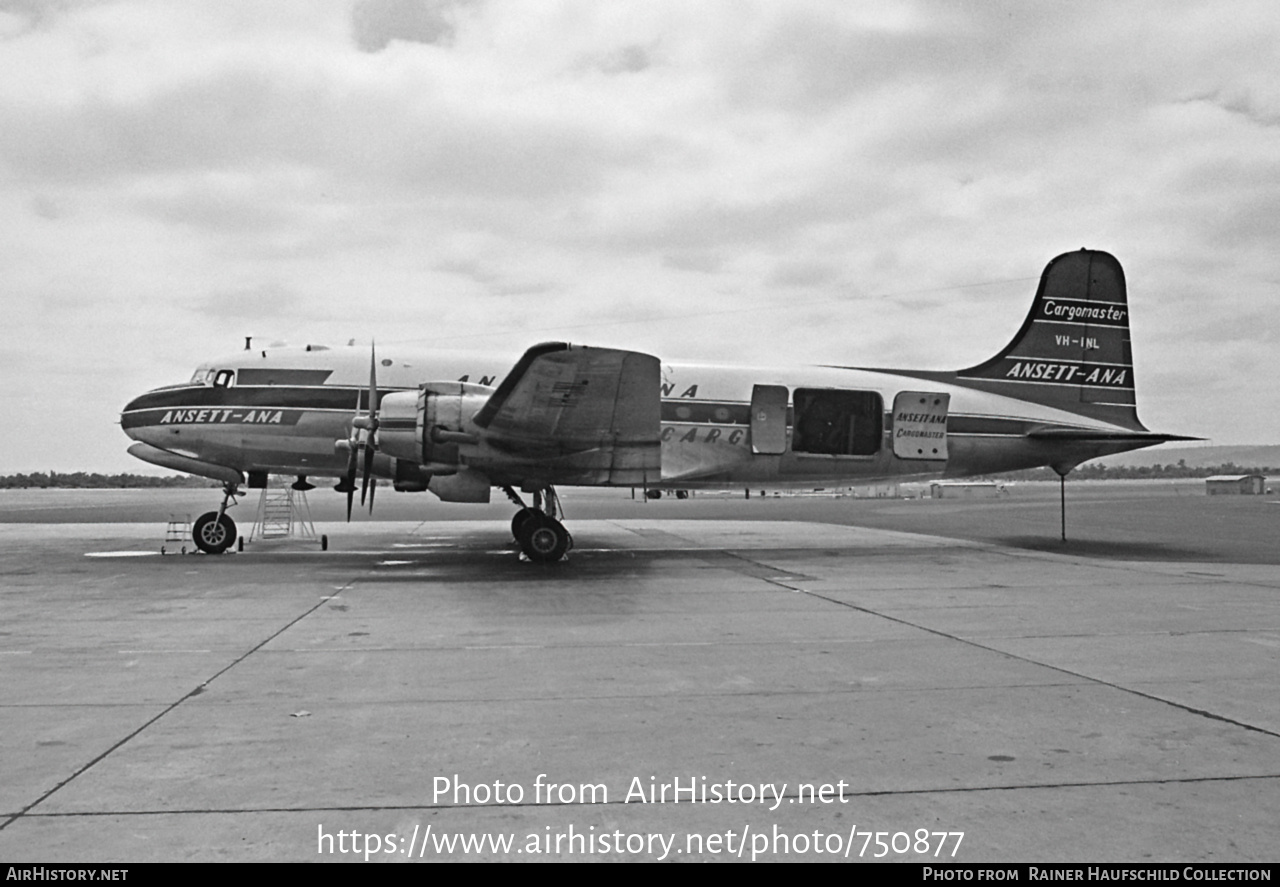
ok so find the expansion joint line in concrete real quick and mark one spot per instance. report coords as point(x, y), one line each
point(790, 586)
point(1127, 567)
point(173, 705)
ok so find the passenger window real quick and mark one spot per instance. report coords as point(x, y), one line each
point(832, 422)
point(223, 379)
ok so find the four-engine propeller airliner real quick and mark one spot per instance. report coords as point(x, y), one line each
point(458, 425)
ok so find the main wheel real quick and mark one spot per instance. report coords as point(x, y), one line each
point(213, 534)
point(543, 539)
point(517, 521)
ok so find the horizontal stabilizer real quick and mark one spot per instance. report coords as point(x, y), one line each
point(1084, 435)
point(1068, 447)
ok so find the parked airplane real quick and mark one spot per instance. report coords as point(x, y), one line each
point(1060, 393)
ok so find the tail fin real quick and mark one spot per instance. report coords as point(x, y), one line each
point(1073, 350)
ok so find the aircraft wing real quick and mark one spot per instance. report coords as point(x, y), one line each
point(572, 414)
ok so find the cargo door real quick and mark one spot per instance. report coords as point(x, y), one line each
point(920, 425)
point(768, 419)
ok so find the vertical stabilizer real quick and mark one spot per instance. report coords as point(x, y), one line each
point(1073, 350)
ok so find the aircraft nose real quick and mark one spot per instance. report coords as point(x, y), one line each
point(141, 415)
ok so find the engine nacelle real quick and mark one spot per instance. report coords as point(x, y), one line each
point(429, 425)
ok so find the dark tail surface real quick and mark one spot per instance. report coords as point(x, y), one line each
point(1073, 350)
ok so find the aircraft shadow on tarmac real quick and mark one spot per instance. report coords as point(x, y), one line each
point(1112, 549)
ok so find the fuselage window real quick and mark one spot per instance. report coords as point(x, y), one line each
point(832, 422)
point(223, 378)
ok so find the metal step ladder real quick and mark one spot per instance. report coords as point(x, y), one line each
point(283, 512)
point(177, 533)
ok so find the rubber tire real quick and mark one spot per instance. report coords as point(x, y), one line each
point(543, 539)
point(213, 535)
point(517, 521)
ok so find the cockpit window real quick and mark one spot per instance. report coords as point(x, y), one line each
point(223, 378)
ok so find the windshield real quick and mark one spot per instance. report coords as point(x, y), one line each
point(206, 375)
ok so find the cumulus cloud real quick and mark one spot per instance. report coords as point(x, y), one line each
point(262, 301)
point(46, 208)
point(27, 14)
point(1259, 109)
point(630, 59)
point(375, 23)
point(803, 274)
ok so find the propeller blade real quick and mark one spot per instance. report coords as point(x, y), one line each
point(353, 453)
point(370, 483)
point(368, 472)
point(349, 480)
point(373, 381)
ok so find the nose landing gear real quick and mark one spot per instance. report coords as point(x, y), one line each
point(214, 532)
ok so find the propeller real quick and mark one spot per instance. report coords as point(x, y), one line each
point(363, 428)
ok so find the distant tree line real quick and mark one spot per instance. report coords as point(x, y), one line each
point(1100, 471)
point(82, 480)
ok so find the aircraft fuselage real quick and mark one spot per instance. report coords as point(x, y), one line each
point(281, 410)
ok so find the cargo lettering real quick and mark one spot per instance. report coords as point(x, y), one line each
point(709, 435)
point(1078, 311)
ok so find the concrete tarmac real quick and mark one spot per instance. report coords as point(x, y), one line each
point(806, 686)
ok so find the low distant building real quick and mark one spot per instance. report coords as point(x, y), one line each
point(1235, 485)
point(965, 489)
point(876, 491)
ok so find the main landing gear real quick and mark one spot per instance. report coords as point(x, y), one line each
point(542, 537)
point(214, 532)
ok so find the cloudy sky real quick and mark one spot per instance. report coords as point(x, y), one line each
point(873, 183)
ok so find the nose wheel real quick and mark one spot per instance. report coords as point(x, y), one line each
point(214, 533)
